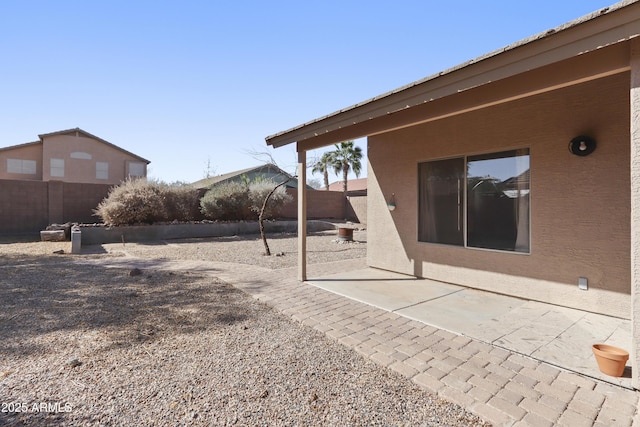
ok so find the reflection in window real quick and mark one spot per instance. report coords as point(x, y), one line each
point(488, 204)
point(498, 201)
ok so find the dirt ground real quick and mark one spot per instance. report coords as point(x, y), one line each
point(89, 345)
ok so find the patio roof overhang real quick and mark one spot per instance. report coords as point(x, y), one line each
point(588, 48)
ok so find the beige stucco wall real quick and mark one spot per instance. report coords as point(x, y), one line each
point(84, 169)
point(26, 152)
point(580, 206)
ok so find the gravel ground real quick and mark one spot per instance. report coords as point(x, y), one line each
point(321, 247)
point(86, 345)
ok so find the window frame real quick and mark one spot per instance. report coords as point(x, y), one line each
point(465, 244)
point(58, 167)
point(133, 165)
point(102, 167)
point(22, 166)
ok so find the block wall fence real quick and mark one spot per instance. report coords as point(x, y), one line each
point(328, 204)
point(29, 206)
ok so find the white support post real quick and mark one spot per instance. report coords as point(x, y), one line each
point(302, 215)
point(635, 212)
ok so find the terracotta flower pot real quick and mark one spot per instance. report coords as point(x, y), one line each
point(611, 360)
point(345, 234)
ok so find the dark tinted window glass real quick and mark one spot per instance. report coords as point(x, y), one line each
point(441, 189)
point(498, 193)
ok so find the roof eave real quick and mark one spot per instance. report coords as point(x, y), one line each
point(605, 27)
point(26, 144)
point(66, 131)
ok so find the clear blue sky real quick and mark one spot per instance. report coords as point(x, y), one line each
point(185, 82)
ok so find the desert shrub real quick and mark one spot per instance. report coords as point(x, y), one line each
point(181, 202)
point(242, 200)
point(133, 201)
point(226, 201)
point(259, 190)
point(139, 201)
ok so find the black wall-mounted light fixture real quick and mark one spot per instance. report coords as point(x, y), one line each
point(582, 145)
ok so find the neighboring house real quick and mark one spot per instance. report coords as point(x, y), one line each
point(517, 172)
point(70, 156)
point(266, 171)
point(355, 187)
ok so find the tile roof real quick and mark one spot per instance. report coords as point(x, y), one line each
point(352, 185)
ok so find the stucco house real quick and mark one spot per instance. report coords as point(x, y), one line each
point(72, 155)
point(355, 187)
point(517, 172)
point(266, 171)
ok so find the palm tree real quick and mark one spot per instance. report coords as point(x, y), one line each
point(322, 166)
point(347, 157)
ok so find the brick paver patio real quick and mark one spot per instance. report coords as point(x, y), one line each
point(504, 388)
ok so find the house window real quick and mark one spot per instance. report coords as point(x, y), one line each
point(102, 170)
point(26, 167)
point(476, 201)
point(136, 169)
point(80, 155)
point(57, 167)
point(440, 201)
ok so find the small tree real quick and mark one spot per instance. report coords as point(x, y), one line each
point(265, 200)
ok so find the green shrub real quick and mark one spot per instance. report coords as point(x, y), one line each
point(242, 200)
point(226, 201)
point(259, 190)
point(181, 202)
point(139, 201)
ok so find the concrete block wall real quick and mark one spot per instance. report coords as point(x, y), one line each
point(29, 206)
point(79, 201)
point(23, 206)
point(327, 204)
point(357, 209)
point(143, 233)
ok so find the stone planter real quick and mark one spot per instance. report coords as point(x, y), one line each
point(611, 360)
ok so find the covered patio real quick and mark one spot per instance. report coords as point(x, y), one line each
point(550, 100)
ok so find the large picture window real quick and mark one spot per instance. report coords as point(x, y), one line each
point(478, 201)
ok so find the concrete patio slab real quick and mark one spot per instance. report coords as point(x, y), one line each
point(556, 335)
point(457, 311)
point(384, 289)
